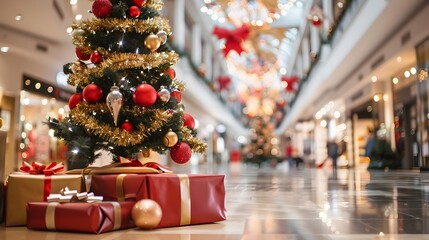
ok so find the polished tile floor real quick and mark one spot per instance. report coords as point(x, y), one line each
point(285, 203)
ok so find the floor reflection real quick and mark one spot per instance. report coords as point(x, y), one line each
point(305, 203)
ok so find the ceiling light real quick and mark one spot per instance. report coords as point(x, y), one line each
point(69, 30)
point(398, 59)
point(4, 49)
point(413, 70)
point(407, 74)
point(283, 71)
point(18, 17)
point(73, 2)
point(340, 4)
point(374, 78)
point(395, 80)
point(78, 17)
point(376, 98)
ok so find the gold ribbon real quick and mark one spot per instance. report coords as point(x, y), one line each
point(185, 200)
point(119, 187)
point(117, 217)
point(50, 216)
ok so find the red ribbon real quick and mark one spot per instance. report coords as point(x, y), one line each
point(126, 162)
point(233, 38)
point(40, 168)
point(47, 187)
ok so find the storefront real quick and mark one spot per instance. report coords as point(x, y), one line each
point(38, 102)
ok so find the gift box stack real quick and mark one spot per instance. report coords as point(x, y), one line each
point(42, 202)
point(128, 101)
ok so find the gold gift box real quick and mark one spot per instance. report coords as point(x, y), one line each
point(24, 188)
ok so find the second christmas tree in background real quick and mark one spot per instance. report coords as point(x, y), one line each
point(127, 96)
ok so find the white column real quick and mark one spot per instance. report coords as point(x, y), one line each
point(299, 70)
point(314, 39)
point(196, 44)
point(328, 13)
point(305, 51)
point(389, 112)
point(208, 62)
point(179, 24)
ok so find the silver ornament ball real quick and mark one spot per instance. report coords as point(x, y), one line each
point(164, 95)
point(114, 101)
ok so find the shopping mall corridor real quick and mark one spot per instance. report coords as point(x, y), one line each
point(305, 203)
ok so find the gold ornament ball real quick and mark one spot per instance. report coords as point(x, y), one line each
point(146, 214)
point(170, 139)
point(152, 42)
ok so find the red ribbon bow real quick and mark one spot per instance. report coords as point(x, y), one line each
point(233, 38)
point(290, 87)
point(224, 82)
point(126, 162)
point(40, 168)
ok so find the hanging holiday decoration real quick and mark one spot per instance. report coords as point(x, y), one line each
point(114, 101)
point(96, 57)
point(134, 11)
point(170, 139)
point(145, 95)
point(177, 95)
point(233, 38)
point(127, 126)
point(223, 82)
point(164, 95)
point(92, 93)
point(146, 214)
point(152, 42)
point(101, 8)
point(316, 16)
point(74, 100)
point(288, 83)
point(81, 55)
point(170, 72)
point(188, 121)
point(181, 153)
point(139, 3)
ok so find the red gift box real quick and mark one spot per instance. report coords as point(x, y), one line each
point(188, 199)
point(80, 217)
point(119, 187)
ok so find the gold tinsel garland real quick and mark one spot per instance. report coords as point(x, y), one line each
point(155, 4)
point(178, 85)
point(122, 61)
point(83, 116)
point(152, 25)
point(196, 144)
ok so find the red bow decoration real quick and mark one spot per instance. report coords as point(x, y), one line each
point(290, 83)
point(126, 162)
point(224, 82)
point(233, 38)
point(40, 168)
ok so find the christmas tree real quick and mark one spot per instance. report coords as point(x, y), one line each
point(263, 145)
point(127, 98)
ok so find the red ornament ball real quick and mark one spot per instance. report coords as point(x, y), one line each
point(127, 126)
point(102, 8)
point(171, 72)
point(145, 95)
point(181, 153)
point(92, 93)
point(96, 57)
point(82, 56)
point(317, 21)
point(176, 94)
point(74, 100)
point(189, 121)
point(134, 11)
point(138, 3)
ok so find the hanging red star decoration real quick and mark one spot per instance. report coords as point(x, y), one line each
point(233, 38)
point(223, 82)
point(289, 83)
